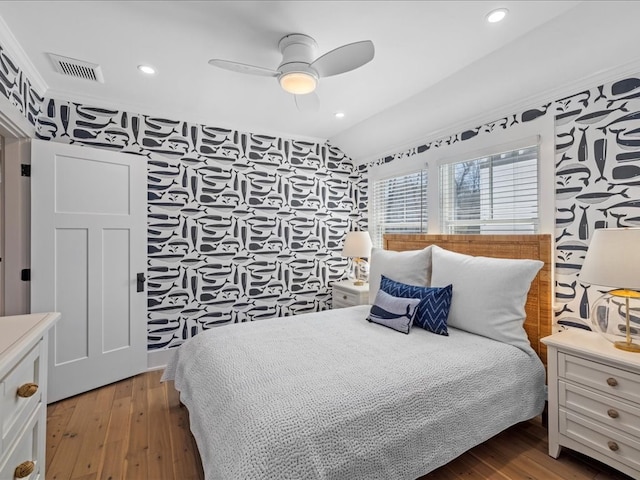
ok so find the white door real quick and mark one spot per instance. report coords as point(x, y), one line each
point(2, 255)
point(88, 247)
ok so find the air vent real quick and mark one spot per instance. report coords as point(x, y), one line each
point(77, 68)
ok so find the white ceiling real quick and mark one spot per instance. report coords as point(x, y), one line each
point(438, 64)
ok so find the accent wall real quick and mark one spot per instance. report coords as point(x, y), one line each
point(244, 226)
point(17, 88)
point(241, 226)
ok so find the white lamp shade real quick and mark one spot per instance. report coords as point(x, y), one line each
point(613, 259)
point(357, 245)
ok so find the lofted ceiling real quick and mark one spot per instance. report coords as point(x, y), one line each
point(437, 64)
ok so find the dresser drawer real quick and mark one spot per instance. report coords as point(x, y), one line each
point(609, 442)
point(20, 395)
point(604, 378)
point(342, 298)
point(27, 449)
point(607, 410)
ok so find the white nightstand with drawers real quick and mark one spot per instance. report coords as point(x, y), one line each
point(346, 294)
point(594, 399)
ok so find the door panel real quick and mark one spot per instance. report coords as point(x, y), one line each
point(88, 244)
point(97, 196)
point(116, 316)
point(72, 331)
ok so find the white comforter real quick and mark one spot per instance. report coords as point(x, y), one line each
point(330, 396)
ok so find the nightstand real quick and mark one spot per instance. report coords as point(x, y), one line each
point(594, 399)
point(346, 294)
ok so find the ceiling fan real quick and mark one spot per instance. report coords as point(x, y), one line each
point(299, 71)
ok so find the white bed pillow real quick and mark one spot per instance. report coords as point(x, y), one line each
point(412, 267)
point(489, 294)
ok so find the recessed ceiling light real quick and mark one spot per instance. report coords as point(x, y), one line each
point(339, 114)
point(147, 69)
point(497, 15)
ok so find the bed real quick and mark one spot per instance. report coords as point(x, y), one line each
point(331, 395)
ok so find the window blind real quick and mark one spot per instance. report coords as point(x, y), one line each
point(399, 206)
point(493, 194)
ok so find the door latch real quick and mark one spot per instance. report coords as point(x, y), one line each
point(140, 282)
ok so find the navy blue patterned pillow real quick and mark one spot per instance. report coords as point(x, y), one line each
point(433, 309)
point(393, 312)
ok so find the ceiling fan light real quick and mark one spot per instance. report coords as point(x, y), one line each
point(298, 83)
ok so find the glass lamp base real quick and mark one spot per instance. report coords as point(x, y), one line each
point(614, 314)
point(360, 272)
point(627, 347)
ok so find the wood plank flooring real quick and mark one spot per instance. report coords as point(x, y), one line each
point(136, 429)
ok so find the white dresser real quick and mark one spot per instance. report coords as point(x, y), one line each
point(346, 294)
point(594, 399)
point(23, 394)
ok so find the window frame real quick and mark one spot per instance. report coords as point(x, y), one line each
point(386, 172)
point(444, 151)
point(489, 153)
point(420, 226)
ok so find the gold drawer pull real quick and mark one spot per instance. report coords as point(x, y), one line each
point(612, 413)
point(613, 446)
point(27, 390)
point(612, 382)
point(24, 469)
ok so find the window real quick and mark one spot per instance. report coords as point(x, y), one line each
point(399, 205)
point(493, 194)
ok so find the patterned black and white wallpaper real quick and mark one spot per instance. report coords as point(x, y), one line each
point(16, 87)
point(597, 181)
point(245, 226)
point(486, 129)
point(241, 226)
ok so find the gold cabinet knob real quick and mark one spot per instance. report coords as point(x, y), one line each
point(612, 382)
point(24, 469)
point(27, 390)
point(613, 446)
point(613, 413)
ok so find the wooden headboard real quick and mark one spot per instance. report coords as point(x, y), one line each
point(537, 247)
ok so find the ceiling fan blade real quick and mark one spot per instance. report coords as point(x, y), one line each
point(344, 59)
point(243, 68)
point(308, 103)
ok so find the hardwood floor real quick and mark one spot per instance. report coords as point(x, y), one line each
point(136, 429)
point(133, 429)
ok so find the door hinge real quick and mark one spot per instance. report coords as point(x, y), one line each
point(25, 275)
point(25, 169)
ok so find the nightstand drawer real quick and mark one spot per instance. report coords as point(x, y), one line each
point(345, 299)
point(607, 410)
point(605, 378)
point(609, 442)
point(346, 294)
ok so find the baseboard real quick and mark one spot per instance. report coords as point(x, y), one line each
point(158, 359)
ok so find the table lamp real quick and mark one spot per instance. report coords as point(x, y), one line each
point(613, 260)
point(357, 245)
